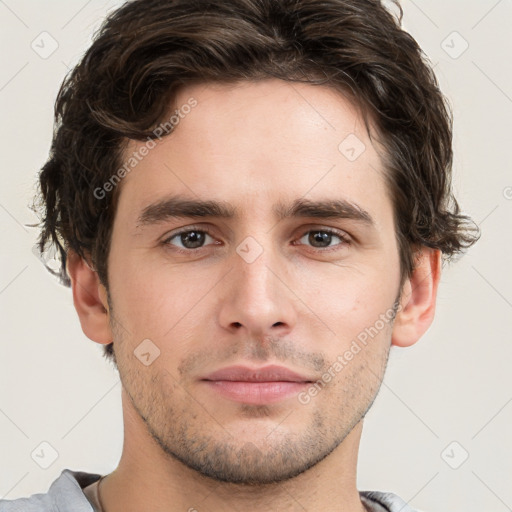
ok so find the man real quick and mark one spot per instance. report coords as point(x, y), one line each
point(251, 200)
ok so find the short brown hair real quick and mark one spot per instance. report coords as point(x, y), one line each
point(148, 49)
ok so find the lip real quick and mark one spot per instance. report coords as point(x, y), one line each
point(271, 373)
point(264, 385)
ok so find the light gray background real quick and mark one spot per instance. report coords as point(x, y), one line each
point(454, 385)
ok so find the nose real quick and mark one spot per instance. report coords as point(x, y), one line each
point(256, 298)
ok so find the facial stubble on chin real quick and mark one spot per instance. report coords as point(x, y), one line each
point(220, 458)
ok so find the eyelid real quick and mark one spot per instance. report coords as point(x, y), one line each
point(334, 231)
point(186, 229)
point(345, 238)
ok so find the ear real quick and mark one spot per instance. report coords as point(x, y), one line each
point(418, 300)
point(89, 298)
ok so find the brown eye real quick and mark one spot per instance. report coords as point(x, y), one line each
point(190, 239)
point(322, 238)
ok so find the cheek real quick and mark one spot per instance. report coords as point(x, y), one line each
point(348, 299)
point(156, 300)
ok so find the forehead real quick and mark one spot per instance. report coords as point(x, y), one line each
point(256, 145)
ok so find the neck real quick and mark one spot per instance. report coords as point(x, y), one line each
point(147, 478)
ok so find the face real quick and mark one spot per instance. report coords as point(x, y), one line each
point(301, 271)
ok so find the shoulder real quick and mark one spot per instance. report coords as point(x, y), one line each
point(378, 501)
point(65, 493)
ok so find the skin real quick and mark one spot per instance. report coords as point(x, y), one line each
point(300, 305)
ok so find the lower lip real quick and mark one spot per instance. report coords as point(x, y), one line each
point(256, 392)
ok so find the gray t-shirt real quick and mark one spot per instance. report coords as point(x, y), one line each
point(66, 494)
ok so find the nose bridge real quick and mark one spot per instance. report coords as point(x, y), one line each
point(255, 282)
point(253, 271)
point(256, 298)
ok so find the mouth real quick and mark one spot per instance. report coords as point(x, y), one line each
point(265, 385)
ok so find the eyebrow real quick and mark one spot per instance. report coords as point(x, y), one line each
point(179, 207)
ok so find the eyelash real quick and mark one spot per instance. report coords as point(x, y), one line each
point(343, 237)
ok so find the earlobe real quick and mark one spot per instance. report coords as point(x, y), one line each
point(418, 301)
point(89, 298)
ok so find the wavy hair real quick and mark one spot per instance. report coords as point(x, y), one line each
point(148, 49)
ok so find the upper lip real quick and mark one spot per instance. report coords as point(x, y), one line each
point(272, 373)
